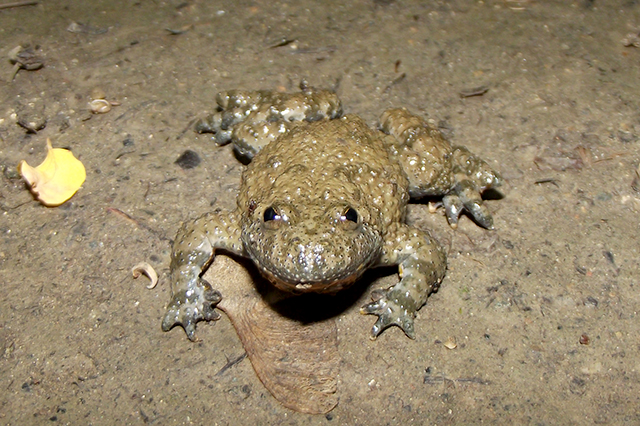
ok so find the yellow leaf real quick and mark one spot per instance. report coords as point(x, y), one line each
point(58, 177)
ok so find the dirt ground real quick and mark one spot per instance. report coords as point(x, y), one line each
point(543, 310)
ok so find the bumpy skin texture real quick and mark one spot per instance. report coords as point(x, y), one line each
point(323, 200)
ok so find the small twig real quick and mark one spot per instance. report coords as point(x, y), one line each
point(394, 82)
point(475, 91)
point(146, 193)
point(434, 380)
point(6, 208)
point(547, 180)
point(186, 128)
point(137, 223)
point(230, 363)
point(18, 4)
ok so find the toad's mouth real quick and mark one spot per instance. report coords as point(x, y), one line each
point(311, 268)
point(320, 262)
point(328, 284)
point(315, 267)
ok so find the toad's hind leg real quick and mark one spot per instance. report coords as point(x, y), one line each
point(422, 266)
point(251, 120)
point(435, 168)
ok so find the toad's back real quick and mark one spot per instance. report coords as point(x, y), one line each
point(325, 162)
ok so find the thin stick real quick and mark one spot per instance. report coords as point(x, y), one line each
point(18, 4)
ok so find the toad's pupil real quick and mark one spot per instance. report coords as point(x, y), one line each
point(271, 214)
point(351, 215)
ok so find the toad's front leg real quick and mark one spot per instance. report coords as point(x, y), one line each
point(193, 299)
point(422, 265)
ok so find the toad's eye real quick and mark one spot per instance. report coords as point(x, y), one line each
point(350, 215)
point(271, 214)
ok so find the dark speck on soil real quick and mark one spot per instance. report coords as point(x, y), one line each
point(188, 159)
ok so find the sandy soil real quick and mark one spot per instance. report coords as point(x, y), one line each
point(544, 309)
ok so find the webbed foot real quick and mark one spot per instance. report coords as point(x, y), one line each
point(393, 308)
point(189, 306)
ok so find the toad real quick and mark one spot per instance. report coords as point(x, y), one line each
point(323, 199)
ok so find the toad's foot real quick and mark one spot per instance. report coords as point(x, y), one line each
point(191, 305)
point(472, 177)
point(466, 198)
point(393, 308)
point(422, 264)
point(193, 299)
